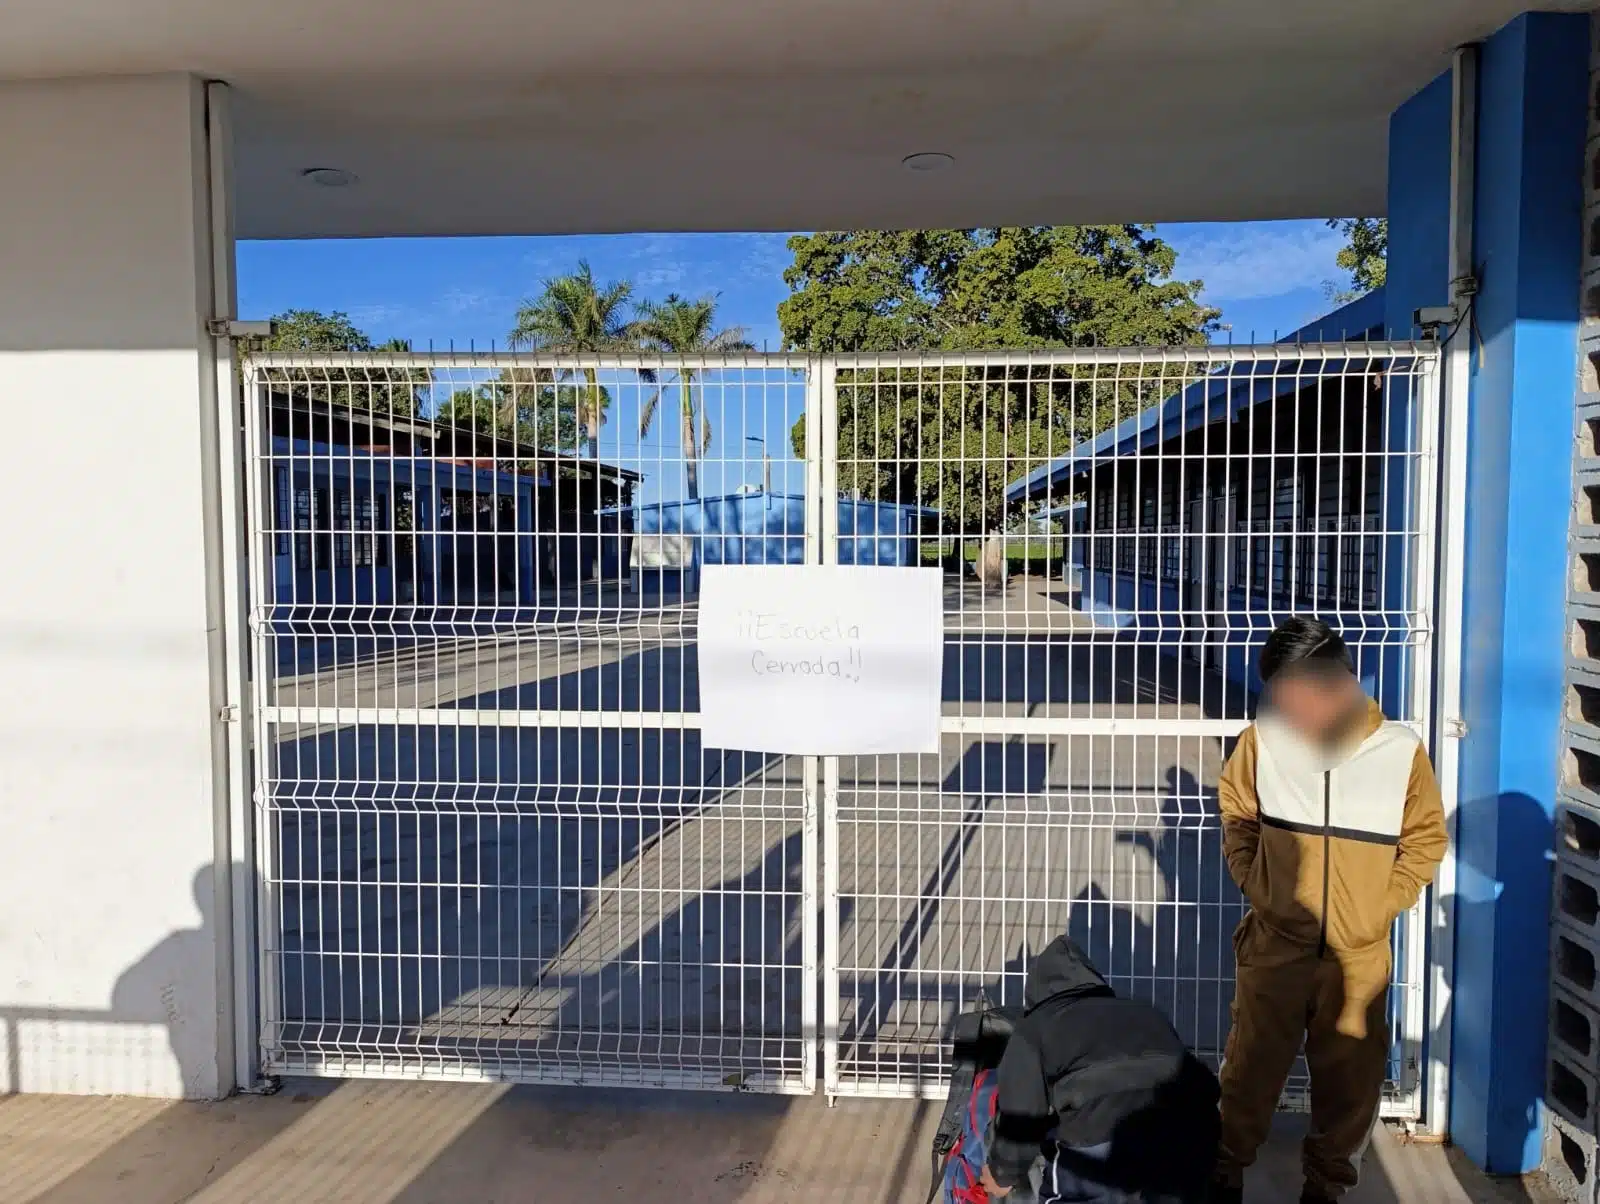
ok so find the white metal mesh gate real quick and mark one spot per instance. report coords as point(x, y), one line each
point(491, 843)
point(1135, 522)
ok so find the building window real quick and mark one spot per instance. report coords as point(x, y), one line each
point(321, 520)
point(342, 542)
point(385, 523)
point(1147, 540)
point(302, 522)
point(1284, 505)
point(364, 549)
point(282, 516)
point(1171, 552)
point(404, 522)
point(1358, 561)
point(1127, 541)
point(1099, 519)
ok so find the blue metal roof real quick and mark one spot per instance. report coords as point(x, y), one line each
point(1233, 388)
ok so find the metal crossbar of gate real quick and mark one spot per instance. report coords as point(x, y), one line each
point(490, 844)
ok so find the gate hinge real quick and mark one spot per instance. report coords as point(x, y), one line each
point(232, 328)
point(1455, 728)
point(228, 714)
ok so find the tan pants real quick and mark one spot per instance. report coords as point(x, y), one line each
point(1337, 1005)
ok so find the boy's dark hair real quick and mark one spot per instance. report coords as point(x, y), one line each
point(1303, 644)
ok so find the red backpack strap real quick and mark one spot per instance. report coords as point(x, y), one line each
point(979, 1081)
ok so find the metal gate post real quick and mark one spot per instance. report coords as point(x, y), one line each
point(1423, 510)
point(1448, 728)
point(257, 554)
point(812, 1023)
point(824, 463)
point(224, 466)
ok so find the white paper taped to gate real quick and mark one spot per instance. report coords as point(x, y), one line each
point(825, 660)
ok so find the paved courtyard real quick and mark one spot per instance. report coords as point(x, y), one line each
point(612, 903)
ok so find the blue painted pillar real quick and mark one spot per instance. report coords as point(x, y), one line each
point(1533, 84)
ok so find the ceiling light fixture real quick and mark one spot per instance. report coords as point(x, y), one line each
point(329, 177)
point(927, 161)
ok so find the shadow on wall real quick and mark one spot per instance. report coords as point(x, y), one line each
point(1503, 943)
point(150, 1030)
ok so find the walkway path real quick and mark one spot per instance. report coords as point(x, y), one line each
point(405, 1143)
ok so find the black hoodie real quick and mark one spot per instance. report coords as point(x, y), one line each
point(1085, 1068)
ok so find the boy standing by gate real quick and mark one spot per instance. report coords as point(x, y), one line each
point(1332, 827)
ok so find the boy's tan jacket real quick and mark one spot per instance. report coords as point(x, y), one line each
point(1329, 849)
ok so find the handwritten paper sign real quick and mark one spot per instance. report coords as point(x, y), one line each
point(827, 660)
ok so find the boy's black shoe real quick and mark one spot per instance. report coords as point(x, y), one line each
point(1225, 1193)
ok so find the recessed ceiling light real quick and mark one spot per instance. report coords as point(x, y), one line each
point(329, 177)
point(927, 161)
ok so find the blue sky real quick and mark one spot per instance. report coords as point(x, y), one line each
point(1267, 278)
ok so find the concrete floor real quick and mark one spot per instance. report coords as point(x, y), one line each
point(628, 903)
point(412, 1143)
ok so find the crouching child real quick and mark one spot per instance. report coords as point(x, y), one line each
point(1101, 1093)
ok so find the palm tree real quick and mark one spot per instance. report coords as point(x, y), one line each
point(679, 326)
point(576, 315)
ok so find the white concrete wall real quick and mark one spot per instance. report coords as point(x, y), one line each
point(109, 961)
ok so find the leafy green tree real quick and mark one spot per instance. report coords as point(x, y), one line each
point(1365, 254)
point(312, 330)
point(397, 391)
point(519, 405)
point(678, 326)
point(953, 437)
point(576, 315)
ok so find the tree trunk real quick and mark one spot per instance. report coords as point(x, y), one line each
point(591, 419)
point(691, 444)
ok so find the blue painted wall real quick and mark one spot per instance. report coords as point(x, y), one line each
point(1533, 95)
point(1419, 207)
point(769, 528)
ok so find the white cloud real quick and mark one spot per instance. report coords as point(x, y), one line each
point(1252, 260)
point(765, 256)
point(367, 316)
point(461, 300)
point(662, 273)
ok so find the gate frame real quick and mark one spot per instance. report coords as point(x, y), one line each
point(1426, 965)
point(1433, 672)
point(253, 391)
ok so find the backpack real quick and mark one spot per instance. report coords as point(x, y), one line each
point(961, 1144)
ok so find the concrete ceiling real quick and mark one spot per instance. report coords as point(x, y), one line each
point(555, 116)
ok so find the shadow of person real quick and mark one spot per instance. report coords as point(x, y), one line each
point(1501, 937)
point(710, 987)
point(1567, 1163)
point(152, 992)
point(1115, 939)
